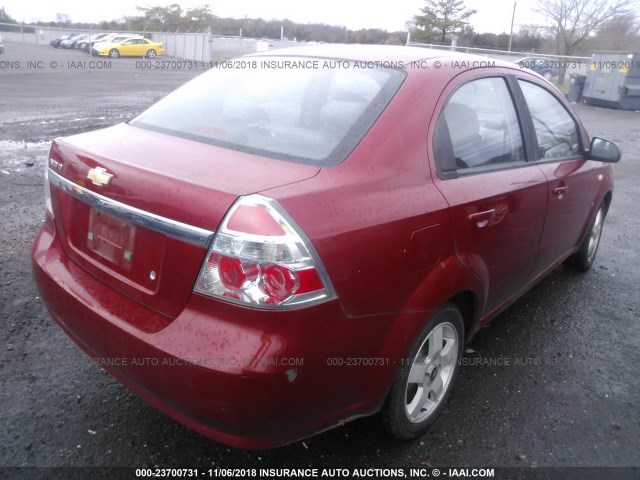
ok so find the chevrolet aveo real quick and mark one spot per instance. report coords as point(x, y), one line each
point(311, 235)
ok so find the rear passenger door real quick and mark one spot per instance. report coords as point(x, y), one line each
point(497, 198)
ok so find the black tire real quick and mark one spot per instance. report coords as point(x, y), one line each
point(151, 54)
point(582, 260)
point(114, 53)
point(548, 75)
point(417, 398)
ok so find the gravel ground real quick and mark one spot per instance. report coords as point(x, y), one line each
point(570, 396)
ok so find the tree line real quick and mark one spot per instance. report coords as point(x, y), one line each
point(574, 27)
point(571, 28)
point(174, 18)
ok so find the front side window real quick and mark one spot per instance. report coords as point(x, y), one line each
point(310, 115)
point(556, 131)
point(483, 126)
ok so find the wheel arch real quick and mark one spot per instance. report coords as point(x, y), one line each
point(468, 304)
point(607, 200)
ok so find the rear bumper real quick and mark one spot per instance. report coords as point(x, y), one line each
point(245, 378)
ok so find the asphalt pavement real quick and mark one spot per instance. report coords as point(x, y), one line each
point(554, 381)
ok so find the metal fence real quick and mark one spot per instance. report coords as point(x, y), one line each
point(204, 46)
point(198, 46)
point(574, 64)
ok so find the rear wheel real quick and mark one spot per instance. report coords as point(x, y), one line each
point(426, 377)
point(151, 54)
point(583, 259)
point(548, 75)
point(114, 53)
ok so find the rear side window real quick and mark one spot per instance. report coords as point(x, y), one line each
point(482, 126)
point(308, 115)
point(556, 131)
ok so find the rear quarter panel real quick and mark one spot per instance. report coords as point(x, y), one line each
point(379, 225)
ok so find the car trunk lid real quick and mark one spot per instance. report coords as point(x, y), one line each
point(137, 208)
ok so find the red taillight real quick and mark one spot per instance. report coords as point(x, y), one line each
point(47, 192)
point(309, 281)
point(255, 220)
point(259, 257)
point(231, 274)
point(278, 282)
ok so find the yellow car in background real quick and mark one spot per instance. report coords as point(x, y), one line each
point(132, 47)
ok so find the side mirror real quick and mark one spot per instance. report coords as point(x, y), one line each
point(604, 151)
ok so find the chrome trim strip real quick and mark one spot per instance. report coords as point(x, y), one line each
point(171, 228)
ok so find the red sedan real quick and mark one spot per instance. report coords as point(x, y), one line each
point(311, 235)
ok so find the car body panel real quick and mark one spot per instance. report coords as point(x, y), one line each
point(394, 236)
point(502, 248)
point(266, 364)
point(372, 199)
point(162, 181)
point(518, 201)
point(131, 47)
point(71, 41)
point(114, 39)
point(575, 191)
point(56, 42)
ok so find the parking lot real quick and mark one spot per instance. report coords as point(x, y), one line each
point(553, 382)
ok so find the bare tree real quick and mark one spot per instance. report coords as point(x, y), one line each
point(619, 32)
point(63, 19)
point(571, 22)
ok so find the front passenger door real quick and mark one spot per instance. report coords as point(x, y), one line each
point(570, 177)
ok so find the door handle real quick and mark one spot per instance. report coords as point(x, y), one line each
point(560, 191)
point(482, 219)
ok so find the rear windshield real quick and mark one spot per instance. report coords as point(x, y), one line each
point(312, 111)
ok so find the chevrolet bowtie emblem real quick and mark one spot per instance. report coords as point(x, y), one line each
point(99, 176)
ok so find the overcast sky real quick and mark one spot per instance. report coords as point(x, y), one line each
point(493, 16)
